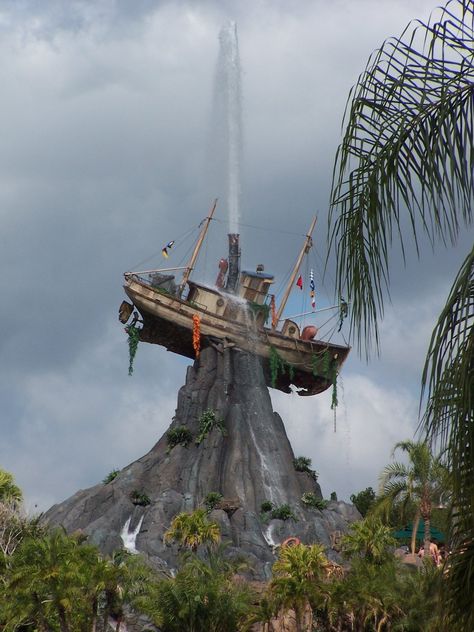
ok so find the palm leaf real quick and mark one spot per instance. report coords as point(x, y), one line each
point(448, 381)
point(407, 156)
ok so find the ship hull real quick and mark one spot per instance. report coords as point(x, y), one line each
point(311, 366)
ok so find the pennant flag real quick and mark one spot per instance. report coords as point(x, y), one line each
point(311, 288)
point(164, 251)
point(299, 283)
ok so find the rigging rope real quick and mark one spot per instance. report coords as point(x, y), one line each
point(179, 240)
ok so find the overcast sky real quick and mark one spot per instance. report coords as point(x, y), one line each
point(105, 127)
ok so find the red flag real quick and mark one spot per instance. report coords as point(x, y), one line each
point(299, 283)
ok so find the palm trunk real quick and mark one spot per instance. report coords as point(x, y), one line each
point(427, 542)
point(416, 522)
point(41, 622)
point(63, 624)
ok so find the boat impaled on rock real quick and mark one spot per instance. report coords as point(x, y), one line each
point(189, 316)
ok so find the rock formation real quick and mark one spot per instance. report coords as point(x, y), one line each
point(248, 460)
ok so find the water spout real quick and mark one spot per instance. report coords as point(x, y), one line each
point(229, 117)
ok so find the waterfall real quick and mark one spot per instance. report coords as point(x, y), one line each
point(129, 538)
point(227, 121)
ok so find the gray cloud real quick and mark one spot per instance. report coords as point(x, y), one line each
point(105, 122)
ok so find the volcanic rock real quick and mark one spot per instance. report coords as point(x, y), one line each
point(248, 460)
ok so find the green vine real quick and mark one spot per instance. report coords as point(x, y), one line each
point(334, 400)
point(323, 365)
point(257, 309)
point(133, 340)
point(279, 366)
point(207, 422)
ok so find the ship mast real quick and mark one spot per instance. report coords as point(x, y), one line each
point(197, 248)
point(304, 250)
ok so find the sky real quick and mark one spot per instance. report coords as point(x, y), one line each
point(106, 124)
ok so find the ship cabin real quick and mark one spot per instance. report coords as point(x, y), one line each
point(247, 302)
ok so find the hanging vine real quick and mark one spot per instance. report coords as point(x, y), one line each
point(257, 309)
point(279, 366)
point(196, 334)
point(133, 340)
point(323, 365)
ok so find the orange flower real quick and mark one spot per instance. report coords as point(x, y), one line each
point(196, 334)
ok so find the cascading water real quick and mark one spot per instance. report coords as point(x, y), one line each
point(227, 120)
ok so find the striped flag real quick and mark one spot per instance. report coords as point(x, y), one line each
point(311, 288)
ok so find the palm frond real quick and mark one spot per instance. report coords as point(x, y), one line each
point(448, 382)
point(407, 156)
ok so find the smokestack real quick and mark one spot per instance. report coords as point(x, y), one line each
point(234, 263)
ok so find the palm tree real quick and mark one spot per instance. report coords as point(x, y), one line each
point(200, 598)
point(193, 529)
point(297, 579)
point(422, 482)
point(408, 153)
point(368, 539)
point(10, 493)
point(53, 582)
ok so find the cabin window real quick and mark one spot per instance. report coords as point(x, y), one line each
point(251, 295)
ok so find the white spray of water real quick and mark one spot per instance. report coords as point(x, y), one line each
point(129, 538)
point(229, 117)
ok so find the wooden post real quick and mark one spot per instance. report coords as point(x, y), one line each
point(197, 248)
point(305, 249)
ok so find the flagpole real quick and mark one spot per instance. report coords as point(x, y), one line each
point(197, 248)
point(304, 250)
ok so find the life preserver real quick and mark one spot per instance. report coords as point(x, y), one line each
point(291, 541)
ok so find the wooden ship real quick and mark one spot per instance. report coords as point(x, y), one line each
point(233, 313)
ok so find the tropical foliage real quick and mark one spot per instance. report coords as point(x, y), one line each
point(421, 482)
point(201, 598)
point(297, 582)
point(191, 530)
point(55, 583)
point(179, 435)
point(405, 165)
point(363, 500)
point(207, 422)
point(311, 500)
point(111, 476)
point(303, 464)
point(212, 500)
point(10, 493)
point(368, 539)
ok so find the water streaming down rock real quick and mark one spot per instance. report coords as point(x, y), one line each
point(250, 463)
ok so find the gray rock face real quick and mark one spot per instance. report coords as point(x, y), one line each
point(252, 461)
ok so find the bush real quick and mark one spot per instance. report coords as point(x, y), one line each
point(266, 506)
point(303, 464)
point(283, 512)
point(207, 422)
point(311, 500)
point(180, 435)
point(139, 498)
point(212, 499)
point(363, 500)
point(111, 476)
